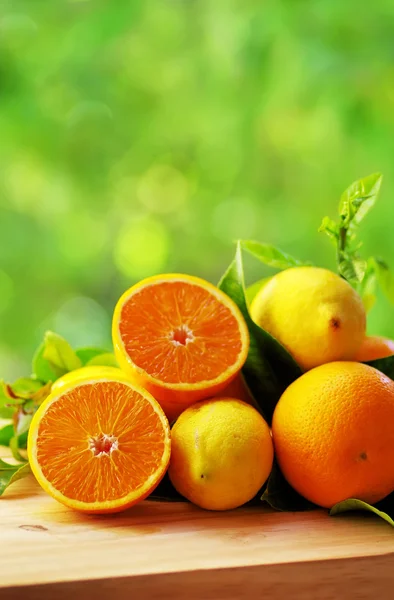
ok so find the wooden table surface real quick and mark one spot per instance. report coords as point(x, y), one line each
point(173, 551)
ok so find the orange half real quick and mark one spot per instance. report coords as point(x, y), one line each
point(99, 444)
point(180, 337)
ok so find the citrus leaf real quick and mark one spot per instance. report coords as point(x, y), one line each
point(353, 269)
point(60, 355)
point(6, 433)
point(269, 255)
point(358, 199)
point(11, 473)
point(14, 447)
point(330, 228)
point(41, 367)
point(22, 422)
point(22, 440)
point(384, 365)
point(385, 278)
point(86, 354)
point(367, 286)
point(6, 411)
point(106, 360)
point(253, 289)
point(281, 496)
point(354, 504)
point(269, 368)
point(26, 387)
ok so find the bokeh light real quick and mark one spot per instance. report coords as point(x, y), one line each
point(141, 137)
point(142, 247)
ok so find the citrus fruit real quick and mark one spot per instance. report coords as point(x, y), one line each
point(99, 444)
point(77, 374)
point(237, 389)
point(334, 436)
point(180, 337)
point(221, 454)
point(374, 347)
point(314, 313)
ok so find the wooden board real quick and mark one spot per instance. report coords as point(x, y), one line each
point(177, 551)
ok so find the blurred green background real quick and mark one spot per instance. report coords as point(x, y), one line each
point(144, 136)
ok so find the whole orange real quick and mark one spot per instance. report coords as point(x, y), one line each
point(333, 431)
point(374, 347)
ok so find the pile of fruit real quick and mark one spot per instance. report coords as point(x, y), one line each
point(222, 395)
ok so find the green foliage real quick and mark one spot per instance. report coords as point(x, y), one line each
point(356, 202)
point(59, 355)
point(106, 359)
point(11, 473)
point(270, 255)
point(358, 505)
point(269, 368)
point(86, 355)
point(251, 290)
point(119, 160)
point(6, 434)
point(385, 365)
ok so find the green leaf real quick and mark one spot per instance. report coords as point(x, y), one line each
point(253, 289)
point(330, 228)
point(367, 286)
point(26, 387)
point(359, 198)
point(384, 365)
point(6, 412)
point(22, 422)
point(354, 504)
point(385, 278)
point(22, 440)
point(86, 354)
point(269, 368)
point(41, 367)
point(60, 355)
point(353, 269)
point(106, 360)
point(281, 496)
point(269, 255)
point(14, 447)
point(6, 433)
point(11, 473)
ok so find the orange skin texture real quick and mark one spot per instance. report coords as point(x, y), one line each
point(374, 347)
point(333, 434)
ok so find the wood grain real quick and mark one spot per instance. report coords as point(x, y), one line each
point(175, 550)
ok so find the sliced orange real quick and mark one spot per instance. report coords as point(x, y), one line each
point(180, 337)
point(99, 444)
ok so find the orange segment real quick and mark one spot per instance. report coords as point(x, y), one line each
point(99, 445)
point(180, 337)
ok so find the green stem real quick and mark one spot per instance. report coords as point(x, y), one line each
point(341, 244)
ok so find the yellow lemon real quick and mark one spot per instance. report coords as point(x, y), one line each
point(84, 373)
point(314, 313)
point(221, 455)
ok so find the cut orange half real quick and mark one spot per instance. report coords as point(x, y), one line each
point(180, 337)
point(100, 444)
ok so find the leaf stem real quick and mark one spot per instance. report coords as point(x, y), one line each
point(341, 243)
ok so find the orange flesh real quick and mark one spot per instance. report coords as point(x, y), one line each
point(179, 332)
point(100, 442)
